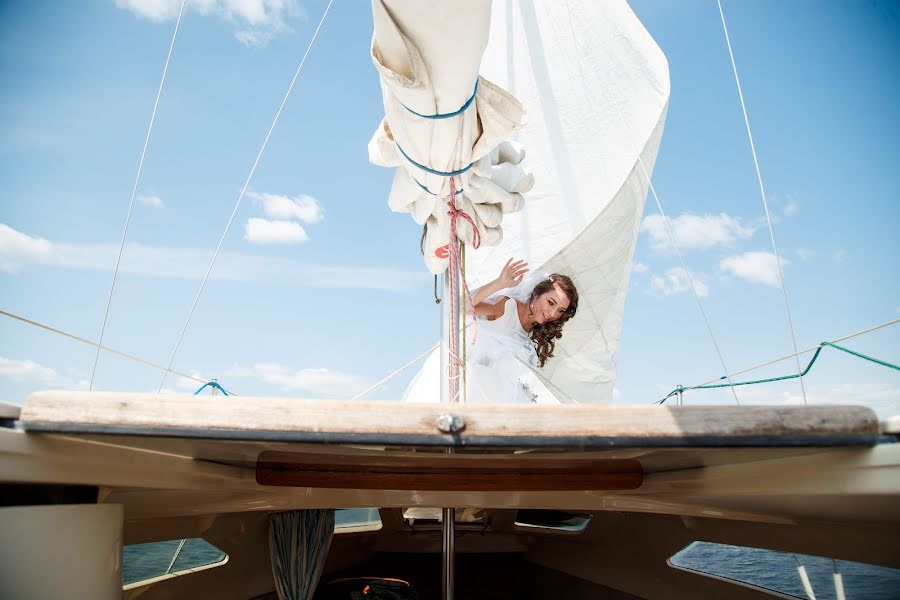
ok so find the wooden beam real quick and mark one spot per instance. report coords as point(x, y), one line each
point(408, 424)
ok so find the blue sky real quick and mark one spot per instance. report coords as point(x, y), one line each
point(336, 296)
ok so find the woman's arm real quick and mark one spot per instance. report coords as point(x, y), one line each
point(510, 276)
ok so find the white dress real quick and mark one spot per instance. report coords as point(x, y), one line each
point(498, 367)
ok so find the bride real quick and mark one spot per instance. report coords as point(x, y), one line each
point(519, 320)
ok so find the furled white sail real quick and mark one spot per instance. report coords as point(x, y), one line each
point(441, 118)
point(596, 86)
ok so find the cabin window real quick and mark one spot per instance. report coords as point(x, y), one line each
point(425, 515)
point(552, 520)
point(422, 518)
point(349, 520)
point(778, 572)
point(142, 563)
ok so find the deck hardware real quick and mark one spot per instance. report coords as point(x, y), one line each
point(448, 423)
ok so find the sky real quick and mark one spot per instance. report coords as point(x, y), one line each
point(319, 290)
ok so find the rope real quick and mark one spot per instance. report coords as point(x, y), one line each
point(671, 236)
point(433, 171)
point(106, 348)
point(838, 581)
point(817, 349)
point(137, 180)
point(395, 373)
point(421, 185)
point(465, 347)
point(808, 350)
point(681, 390)
point(762, 192)
point(452, 275)
point(212, 384)
point(863, 356)
point(244, 191)
point(804, 579)
point(455, 214)
point(446, 115)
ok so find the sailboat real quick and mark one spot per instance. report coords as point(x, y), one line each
point(568, 499)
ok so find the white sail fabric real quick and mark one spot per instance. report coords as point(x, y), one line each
point(427, 54)
point(596, 86)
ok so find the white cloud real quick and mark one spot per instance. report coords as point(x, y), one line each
point(256, 22)
point(183, 384)
point(882, 398)
point(155, 10)
point(806, 253)
point(840, 255)
point(323, 383)
point(263, 231)
point(151, 201)
point(755, 267)
point(785, 204)
point(675, 281)
point(28, 371)
point(18, 249)
point(640, 267)
point(301, 208)
point(695, 232)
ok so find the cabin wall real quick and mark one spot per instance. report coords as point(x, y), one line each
point(629, 551)
point(621, 556)
point(247, 574)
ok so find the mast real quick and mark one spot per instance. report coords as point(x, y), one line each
point(450, 342)
point(450, 394)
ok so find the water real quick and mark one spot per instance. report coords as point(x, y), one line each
point(778, 571)
point(143, 561)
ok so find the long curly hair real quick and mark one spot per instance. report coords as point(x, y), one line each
point(544, 336)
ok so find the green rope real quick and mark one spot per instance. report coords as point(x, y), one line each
point(680, 390)
point(868, 358)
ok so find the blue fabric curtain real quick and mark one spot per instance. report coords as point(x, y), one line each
point(298, 545)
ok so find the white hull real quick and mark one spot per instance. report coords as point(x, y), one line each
point(820, 481)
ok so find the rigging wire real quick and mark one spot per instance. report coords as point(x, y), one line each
point(762, 192)
point(133, 357)
point(671, 237)
point(817, 348)
point(395, 373)
point(680, 390)
point(244, 191)
point(137, 180)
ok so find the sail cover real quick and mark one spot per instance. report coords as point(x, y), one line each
point(441, 118)
point(596, 86)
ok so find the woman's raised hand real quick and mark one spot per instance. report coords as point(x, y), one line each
point(512, 273)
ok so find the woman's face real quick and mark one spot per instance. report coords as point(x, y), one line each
point(550, 306)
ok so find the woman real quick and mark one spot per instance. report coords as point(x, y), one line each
point(519, 320)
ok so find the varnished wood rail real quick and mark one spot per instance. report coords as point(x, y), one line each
point(447, 472)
